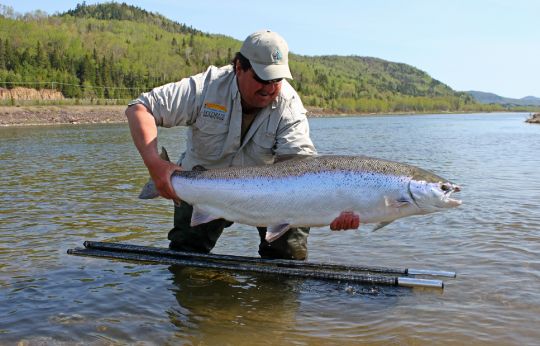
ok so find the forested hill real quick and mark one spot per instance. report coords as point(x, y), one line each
point(114, 11)
point(117, 51)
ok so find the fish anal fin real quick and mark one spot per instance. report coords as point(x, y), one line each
point(198, 218)
point(276, 231)
point(381, 225)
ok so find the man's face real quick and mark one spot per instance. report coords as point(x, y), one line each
point(254, 93)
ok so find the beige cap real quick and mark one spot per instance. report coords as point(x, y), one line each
point(268, 54)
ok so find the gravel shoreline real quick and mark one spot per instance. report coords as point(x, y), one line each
point(106, 114)
point(68, 114)
point(53, 115)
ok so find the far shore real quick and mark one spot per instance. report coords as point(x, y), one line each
point(86, 114)
point(98, 114)
point(62, 114)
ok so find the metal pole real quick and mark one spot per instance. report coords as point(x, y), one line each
point(305, 273)
point(273, 262)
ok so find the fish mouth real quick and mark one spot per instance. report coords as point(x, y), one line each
point(449, 189)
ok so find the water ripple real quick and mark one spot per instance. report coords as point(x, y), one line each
point(63, 185)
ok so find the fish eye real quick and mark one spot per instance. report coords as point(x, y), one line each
point(446, 187)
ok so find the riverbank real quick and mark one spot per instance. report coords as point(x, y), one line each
point(52, 115)
point(87, 114)
point(104, 114)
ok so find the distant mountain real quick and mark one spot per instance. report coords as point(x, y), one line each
point(532, 99)
point(490, 98)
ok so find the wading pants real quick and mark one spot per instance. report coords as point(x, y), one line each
point(203, 238)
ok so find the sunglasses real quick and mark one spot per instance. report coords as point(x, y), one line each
point(265, 82)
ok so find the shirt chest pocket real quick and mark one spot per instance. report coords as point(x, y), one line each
point(208, 137)
point(261, 147)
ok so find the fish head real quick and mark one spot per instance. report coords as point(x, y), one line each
point(434, 196)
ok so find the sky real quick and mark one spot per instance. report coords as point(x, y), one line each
point(484, 45)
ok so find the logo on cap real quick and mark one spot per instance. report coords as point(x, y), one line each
point(276, 56)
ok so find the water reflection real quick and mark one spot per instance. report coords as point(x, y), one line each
point(211, 301)
point(218, 305)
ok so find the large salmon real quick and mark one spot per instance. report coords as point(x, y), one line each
point(311, 191)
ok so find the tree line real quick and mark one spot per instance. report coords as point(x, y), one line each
point(117, 51)
point(89, 76)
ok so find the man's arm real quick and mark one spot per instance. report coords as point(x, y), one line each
point(144, 133)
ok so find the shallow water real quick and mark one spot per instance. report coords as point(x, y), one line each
point(66, 184)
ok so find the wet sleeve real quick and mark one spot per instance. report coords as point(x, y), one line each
point(173, 104)
point(292, 137)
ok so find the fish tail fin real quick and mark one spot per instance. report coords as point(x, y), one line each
point(149, 190)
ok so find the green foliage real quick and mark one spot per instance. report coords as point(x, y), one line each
point(115, 11)
point(127, 53)
point(370, 85)
point(117, 51)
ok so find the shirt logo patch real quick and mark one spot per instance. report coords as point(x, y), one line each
point(214, 111)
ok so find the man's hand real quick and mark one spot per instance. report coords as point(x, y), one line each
point(161, 171)
point(346, 220)
point(143, 130)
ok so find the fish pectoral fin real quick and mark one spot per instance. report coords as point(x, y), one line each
point(396, 203)
point(198, 218)
point(276, 231)
point(381, 225)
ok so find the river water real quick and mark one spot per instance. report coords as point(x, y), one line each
point(62, 185)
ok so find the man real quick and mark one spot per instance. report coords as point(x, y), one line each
point(243, 114)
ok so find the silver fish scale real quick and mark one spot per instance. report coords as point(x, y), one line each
point(313, 165)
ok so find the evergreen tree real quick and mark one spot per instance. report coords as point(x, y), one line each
point(41, 59)
point(2, 55)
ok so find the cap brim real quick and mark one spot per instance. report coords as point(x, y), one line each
point(274, 71)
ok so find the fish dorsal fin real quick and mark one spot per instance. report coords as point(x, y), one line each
point(276, 231)
point(198, 218)
point(164, 155)
point(381, 225)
